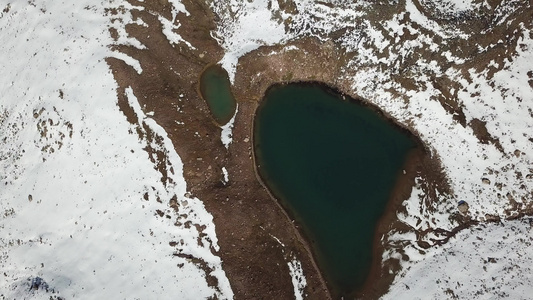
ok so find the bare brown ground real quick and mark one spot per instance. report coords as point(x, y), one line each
point(247, 218)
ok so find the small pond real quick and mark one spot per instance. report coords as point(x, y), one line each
point(215, 89)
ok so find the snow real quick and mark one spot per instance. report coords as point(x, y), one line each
point(452, 6)
point(226, 136)
point(298, 279)
point(74, 174)
point(226, 176)
point(170, 27)
point(118, 24)
point(169, 30)
point(251, 27)
point(128, 60)
point(178, 8)
point(418, 17)
point(507, 118)
point(277, 240)
point(491, 261)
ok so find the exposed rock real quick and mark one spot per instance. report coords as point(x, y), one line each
point(463, 207)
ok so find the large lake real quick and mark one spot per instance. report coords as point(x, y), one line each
point(332, 164)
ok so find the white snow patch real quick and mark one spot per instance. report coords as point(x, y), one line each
point(169, 30)
point(251, 26)
point(277, 240)
point(491, 261)
point(226, 176)
point(418, 17)
point(130, 61)
point(178, 7)
point(298, 279)
point(226, 135)
point(447, 7)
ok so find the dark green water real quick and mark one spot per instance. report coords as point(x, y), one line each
point(215, 88)
point(332, 164)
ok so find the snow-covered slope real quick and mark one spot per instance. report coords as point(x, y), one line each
point(490, 261)
point(84, 212)
point(253, 25)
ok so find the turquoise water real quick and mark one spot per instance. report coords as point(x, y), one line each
point(215, 88)
point(332, 164)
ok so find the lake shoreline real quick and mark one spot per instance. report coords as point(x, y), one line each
point(300, 234)
point(379, 278)
point(214, 77)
